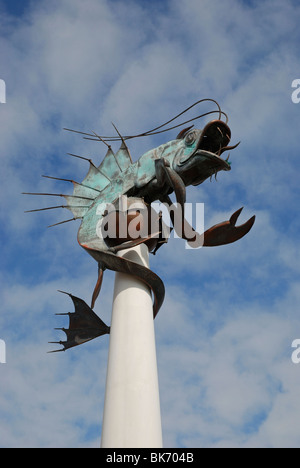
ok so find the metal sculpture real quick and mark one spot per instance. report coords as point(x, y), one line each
point(190, 159)
point(84, 324)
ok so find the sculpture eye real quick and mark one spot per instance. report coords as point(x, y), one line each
point(190, 138)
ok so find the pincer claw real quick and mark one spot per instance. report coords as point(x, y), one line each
point(227, 232)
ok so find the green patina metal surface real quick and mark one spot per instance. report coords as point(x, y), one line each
point(191, 158)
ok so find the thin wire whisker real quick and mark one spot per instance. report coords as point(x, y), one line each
point(156, 130)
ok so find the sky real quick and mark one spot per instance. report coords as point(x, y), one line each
point(224, 334)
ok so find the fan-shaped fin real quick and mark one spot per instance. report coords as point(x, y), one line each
point(78, 211)
point(123, 157)
point(82, 204)
point(84, 325)
point(78, 204)
point(84, 190)
point(110, 166)
point(92, 185)
point(96, 179)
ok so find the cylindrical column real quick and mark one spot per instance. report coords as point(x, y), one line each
point(131, 416)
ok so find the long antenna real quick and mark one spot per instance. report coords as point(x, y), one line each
point(156, 130)
point(101, 139)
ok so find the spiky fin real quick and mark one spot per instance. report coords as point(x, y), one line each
point(92, 185)
point(84, 325)
point(110, 165)
point(81, 205)
point(123, 157)
point(95, 178)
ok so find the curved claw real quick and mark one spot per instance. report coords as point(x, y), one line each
point(227, 232)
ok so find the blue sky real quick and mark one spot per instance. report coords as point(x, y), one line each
point(224, 333)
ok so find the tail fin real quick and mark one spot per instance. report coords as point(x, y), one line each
point(84, 325)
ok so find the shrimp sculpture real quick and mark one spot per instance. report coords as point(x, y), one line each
point(191, 158)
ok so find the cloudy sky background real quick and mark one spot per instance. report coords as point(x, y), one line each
point(224, 333)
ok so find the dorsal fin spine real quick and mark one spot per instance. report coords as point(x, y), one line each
point(73, 182)
point(123, 145)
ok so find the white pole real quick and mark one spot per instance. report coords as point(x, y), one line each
point(131, 416)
